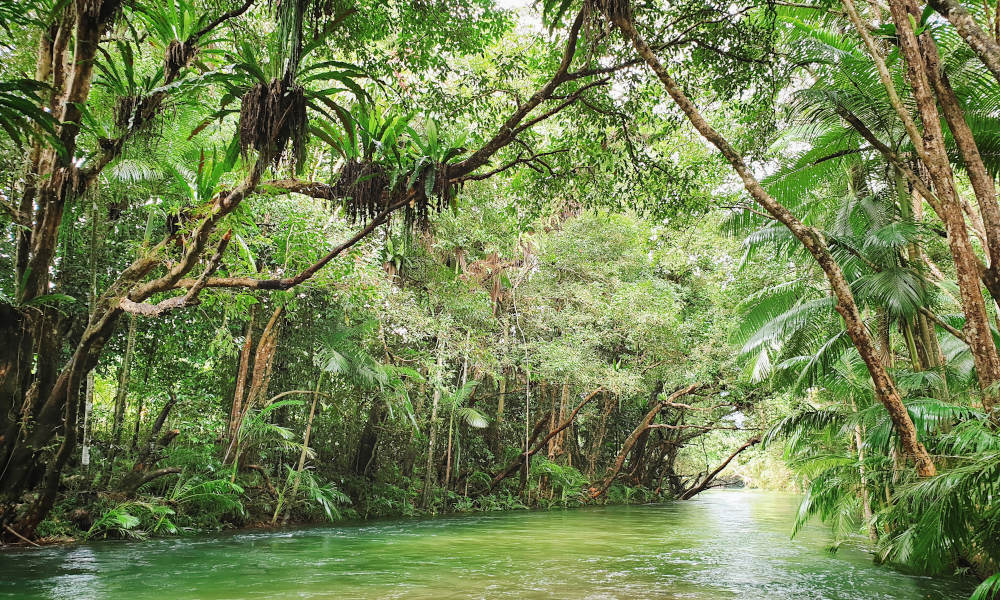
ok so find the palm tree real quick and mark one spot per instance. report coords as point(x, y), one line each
point(454, 404)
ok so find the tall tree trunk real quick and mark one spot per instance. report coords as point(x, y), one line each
point(451, 417)
point(88, 406)
point(138, 424)
point(885, 389)
point(493, 433)
point(49, 399)
point(982, 182)
point(447, 454)
point(263, 358)
point(560, 446)
point(366, 454)
point(547, 397)
point(866, 505)
point(124, 375)
point(429, 472)
point(597, 442)
point(526, 467)
point(411, 451)
point(242, 370)
point(121, 397)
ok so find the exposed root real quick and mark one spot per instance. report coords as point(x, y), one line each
point(126, 110)
point(364, 188)
point(437, 196)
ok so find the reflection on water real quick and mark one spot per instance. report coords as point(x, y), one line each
point(723, 544)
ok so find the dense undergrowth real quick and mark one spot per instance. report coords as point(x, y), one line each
point(194, 504)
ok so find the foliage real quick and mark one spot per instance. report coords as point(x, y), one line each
point(122, 521)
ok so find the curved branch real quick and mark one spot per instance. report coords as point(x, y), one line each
point(284, 283)
point(150, 477)
point(508, 130)
point(222, 18)
point(147, 309)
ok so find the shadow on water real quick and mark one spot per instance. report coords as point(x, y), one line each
point(724, 544)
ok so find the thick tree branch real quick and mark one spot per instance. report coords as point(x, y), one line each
point(284, 283)
point(190, 298)
point(691, 492)
point(633, 437)
point(944, 324)
point(232, 14)
point(510, 127)
point(980, 41)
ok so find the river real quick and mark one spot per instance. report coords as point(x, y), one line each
point(723, 544)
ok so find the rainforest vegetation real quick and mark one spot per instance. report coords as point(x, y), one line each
point(285, 261)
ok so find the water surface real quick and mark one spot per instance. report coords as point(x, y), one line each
point(724, 544)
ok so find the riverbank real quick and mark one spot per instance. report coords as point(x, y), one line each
point(143, 517)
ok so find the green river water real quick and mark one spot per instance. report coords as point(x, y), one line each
point(723, 544)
